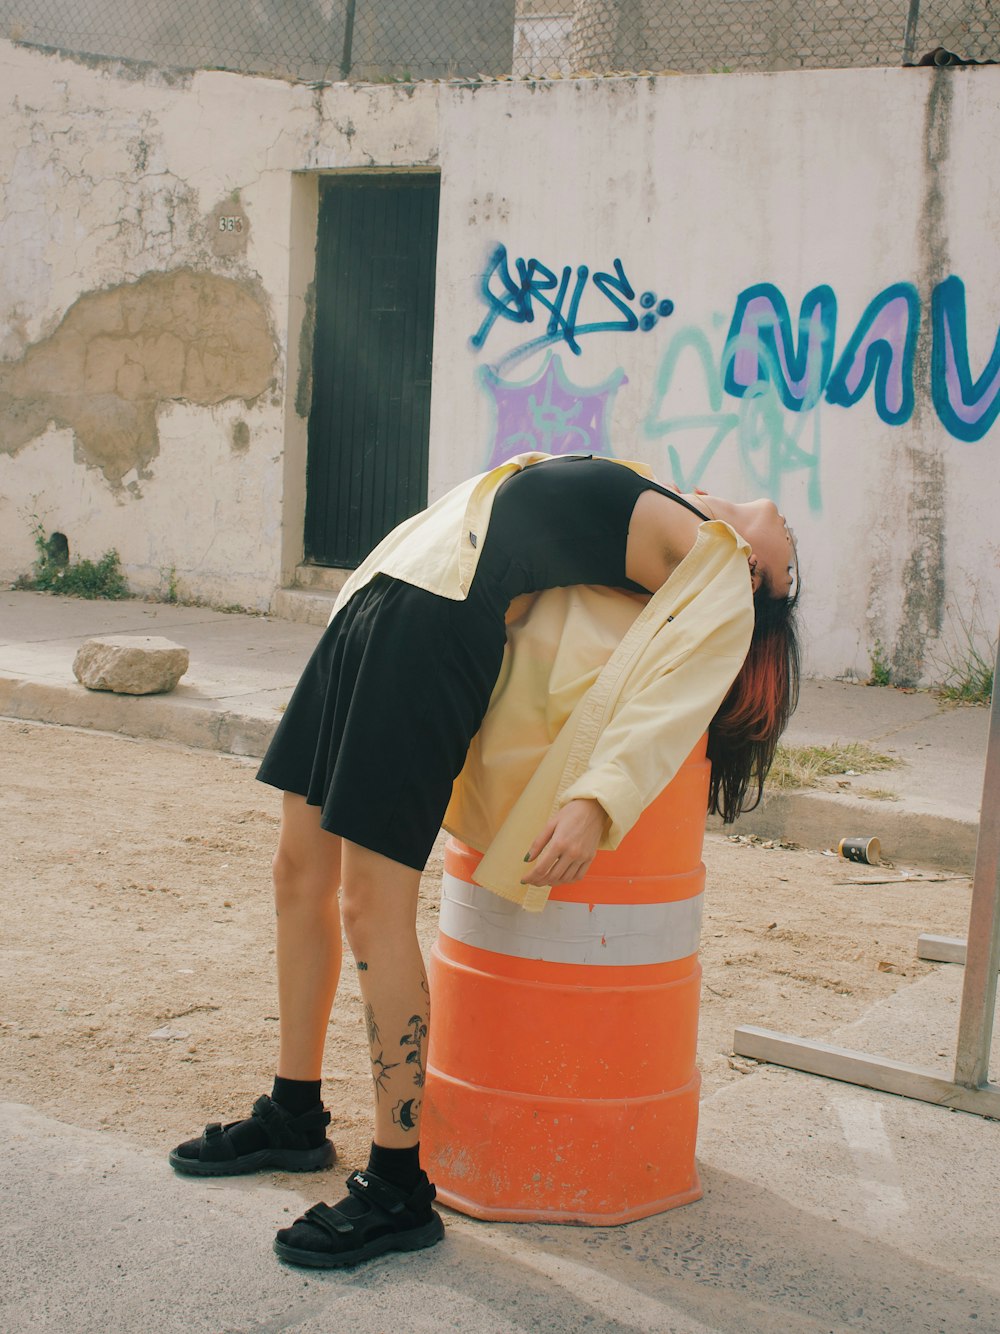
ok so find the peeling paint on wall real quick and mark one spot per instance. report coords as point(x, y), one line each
point(118, 355)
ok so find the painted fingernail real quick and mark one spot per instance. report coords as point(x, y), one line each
point(527, 856)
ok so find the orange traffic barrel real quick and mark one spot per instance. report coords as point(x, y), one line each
point(561, 1080)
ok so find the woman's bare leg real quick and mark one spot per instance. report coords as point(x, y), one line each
point(388, 1205)
point(379, 900)
point(306, 880)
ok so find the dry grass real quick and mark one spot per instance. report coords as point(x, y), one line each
point(804, 766)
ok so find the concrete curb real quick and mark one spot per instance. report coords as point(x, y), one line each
point(820, 819)
point(150, 717)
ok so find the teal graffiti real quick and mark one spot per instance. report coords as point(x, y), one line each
point(533, 285)
point(764, 392)
point(518, 293)
point(776, 377)
point(967, 407)
point(770, 445)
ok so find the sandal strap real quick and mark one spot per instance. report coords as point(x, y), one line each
point(391, 1199)
point(328, 1220)
point(216, 1145)
point(282, 1130)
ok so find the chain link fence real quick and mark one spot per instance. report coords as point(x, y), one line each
point(386, 40)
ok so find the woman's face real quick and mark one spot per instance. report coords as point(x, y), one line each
point(772, 547)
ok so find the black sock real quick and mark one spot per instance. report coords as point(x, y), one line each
point(296, 1095)
point(400, 1167)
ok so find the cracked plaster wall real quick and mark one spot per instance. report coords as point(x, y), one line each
point(145, 350)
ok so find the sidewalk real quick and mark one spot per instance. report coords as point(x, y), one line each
point(827, 1207)
point(243, 669)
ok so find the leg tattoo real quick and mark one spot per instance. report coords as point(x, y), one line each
point(373, 1034)
point(407, 1109)
point(381, 1068)
point(380, 1073)
point(415, 1039)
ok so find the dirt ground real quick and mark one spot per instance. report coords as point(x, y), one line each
point(136, 947)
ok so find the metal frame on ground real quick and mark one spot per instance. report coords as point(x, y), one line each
point(969, 1090)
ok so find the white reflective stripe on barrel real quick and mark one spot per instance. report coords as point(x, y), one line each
point(583, 933)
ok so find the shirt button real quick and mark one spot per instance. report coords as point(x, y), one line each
point(473, 539)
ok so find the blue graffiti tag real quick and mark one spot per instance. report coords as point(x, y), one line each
point(881, 349)
point(760, 344)
point(533, 286)
point(967, 408)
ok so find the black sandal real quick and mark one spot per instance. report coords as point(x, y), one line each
point(392, 1220)
point(291, 1145)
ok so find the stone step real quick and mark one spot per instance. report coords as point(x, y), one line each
point(307, 606)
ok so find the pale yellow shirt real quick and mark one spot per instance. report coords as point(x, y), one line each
point(603, 693)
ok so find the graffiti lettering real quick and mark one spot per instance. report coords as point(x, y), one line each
point(533, 286)
point(967, 408)
point(763, 391)
point(881, 348)
point(769, 444)
point(760, 344)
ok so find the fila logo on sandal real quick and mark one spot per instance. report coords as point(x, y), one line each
point(360, 1180)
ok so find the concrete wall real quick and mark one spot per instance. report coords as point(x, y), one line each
point(783, 284)
point(762, 284)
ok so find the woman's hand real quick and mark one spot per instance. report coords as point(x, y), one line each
point(564, 849)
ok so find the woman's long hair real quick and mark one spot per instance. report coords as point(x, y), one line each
point(743, 735)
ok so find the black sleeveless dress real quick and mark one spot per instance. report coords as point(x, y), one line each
point(380, 723)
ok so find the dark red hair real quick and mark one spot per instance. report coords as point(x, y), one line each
point(743, 735)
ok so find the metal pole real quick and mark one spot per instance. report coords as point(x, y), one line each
point(979, 990)
point(347, 55)
point(910, 35)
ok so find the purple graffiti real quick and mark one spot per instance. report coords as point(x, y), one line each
point(881, 349)
point(549, 413)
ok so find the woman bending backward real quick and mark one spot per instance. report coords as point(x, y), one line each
point(640, 617)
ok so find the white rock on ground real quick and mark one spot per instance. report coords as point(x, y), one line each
point(130, 664)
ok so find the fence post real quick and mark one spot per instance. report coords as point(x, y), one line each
point(910, 35)
point(347, 54)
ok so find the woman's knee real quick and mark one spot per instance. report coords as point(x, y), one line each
point(359, 911)
point(306, 865)
point(298, 882)
point(378, 902)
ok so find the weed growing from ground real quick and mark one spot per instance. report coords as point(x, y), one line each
point(967, 671)
point(172, 589)
point(881, 671)
point(54, 572)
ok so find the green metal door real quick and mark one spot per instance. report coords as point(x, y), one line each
point(370, 416)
